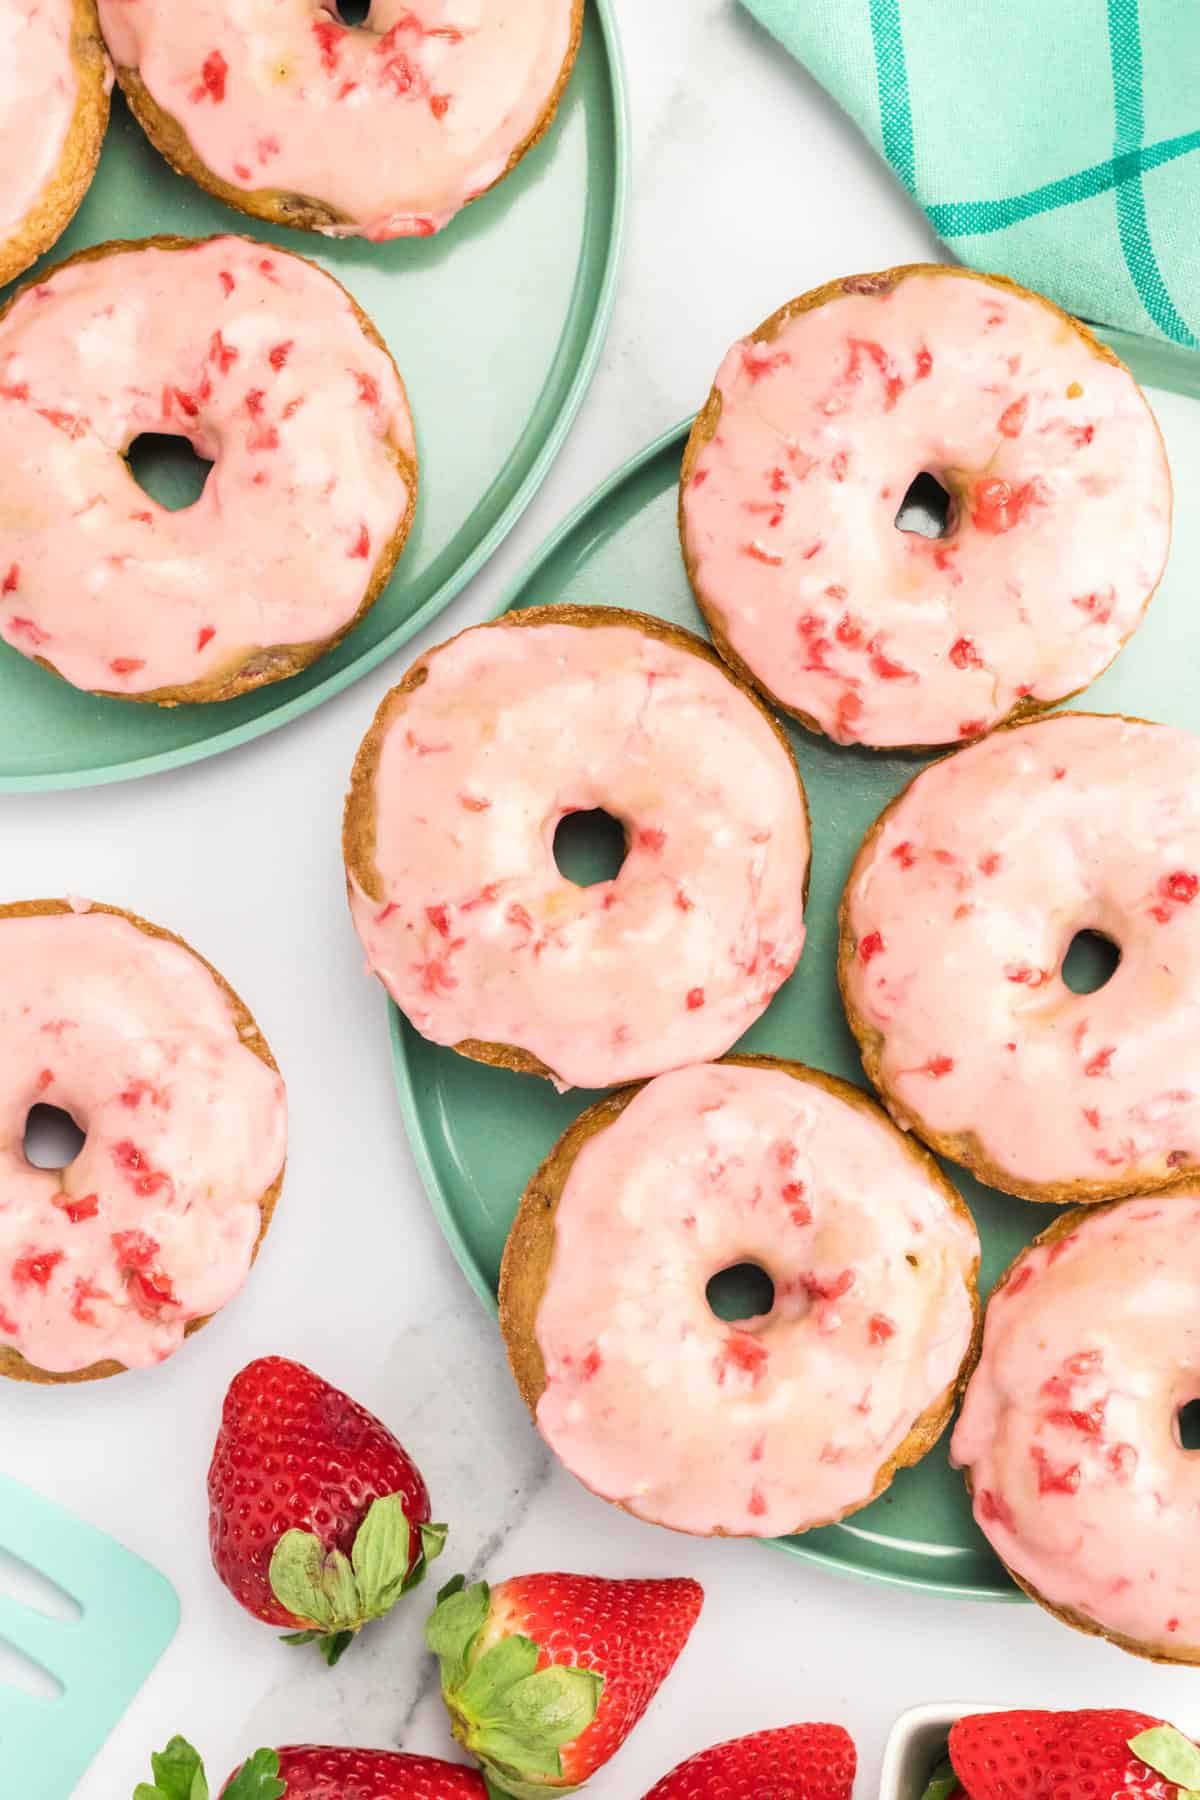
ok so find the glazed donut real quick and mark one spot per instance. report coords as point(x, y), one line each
point(795, 472)
point(775, 1424)
point(269, 369)
point(458, 789)
point(54, 85)
point(109, 1263)
point(960, 908)
point(385, 130)
point(1069, 1432)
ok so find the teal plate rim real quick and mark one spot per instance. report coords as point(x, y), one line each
point(160, 761)
point(401, 1035)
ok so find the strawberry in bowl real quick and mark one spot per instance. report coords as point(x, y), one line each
point(1105, 1753)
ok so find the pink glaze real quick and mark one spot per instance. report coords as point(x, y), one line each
point(1069, 1422)
point(1059, 532)
point(780, 1422)
point(394, 125)
point(257, 358)
point(155, 1221)
point(39, 90)
point(962, 911)
point(478, 935)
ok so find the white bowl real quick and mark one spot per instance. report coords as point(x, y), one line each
point(916, 1744)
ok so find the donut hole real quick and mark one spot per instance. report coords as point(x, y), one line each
point(926, 507)
point(352, 12)
point(1187, 1426)
point(589, 847)
point(1091, 961)
point(743, 1291)
point(167, 468)
point(52, 1138)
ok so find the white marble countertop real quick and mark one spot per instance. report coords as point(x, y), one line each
point(748, 187)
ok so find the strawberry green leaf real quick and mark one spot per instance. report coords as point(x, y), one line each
point(334, 1646)
point(555, 1706)
point(178, 1774)
point(379, 1556)
point(942, 1783)
point(512, 1763)
point(483, 1695)
point(298, 1578)
point(1169, 1753)
point(258, 1779)
point(433, 1542)
point(454, 1624)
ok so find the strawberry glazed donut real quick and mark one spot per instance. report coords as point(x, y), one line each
point(54, 85)
point(268, 368)
point(1069, 1431)
point(382, 130)
point(772, 1424)
point(458, 790)
point(1054, 472)
point(961, 906)
point(109, 1263)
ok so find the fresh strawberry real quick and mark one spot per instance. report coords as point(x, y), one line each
point(797, 1762)
point(545, 1676)
point(314, 1772)
point(1108, 1754)
point(318, 1518)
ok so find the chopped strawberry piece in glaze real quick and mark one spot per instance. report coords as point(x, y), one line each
point(860, 348)
point(650, 838)
point(884, 666)
point(1181, 886)
point(8, 1324)
point(756, 552)
point(742, 1354)
point(204, 636)
point(220, 354)
point(12, 579)
point(77, 1210)
point(835, 1287)
point(998, 506)
point(695, 999)
point(1012, 419)
point(1051, 1480)
point(881, 1328)
point(964, 655)
point(83, 1292)
point(35, 1268)
point(362, 544)
point(870, 946)
point(213, 77)
point(278, 356)
point(905, 855)
point(1099, 1063)
point(994, 1510)
point(439, 918)
point(758, 360)
point(756, 1506)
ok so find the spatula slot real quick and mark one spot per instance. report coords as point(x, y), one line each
point(21, 1582)
point(28, 1677)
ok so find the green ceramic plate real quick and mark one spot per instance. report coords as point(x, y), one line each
point(478, 1133)
point(497, 324)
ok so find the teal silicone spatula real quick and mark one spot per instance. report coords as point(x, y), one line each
point(128, 1615)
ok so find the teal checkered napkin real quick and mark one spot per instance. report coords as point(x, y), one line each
point(1056, 141)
